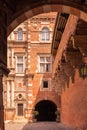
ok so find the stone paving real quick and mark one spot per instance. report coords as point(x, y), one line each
point(37, 126)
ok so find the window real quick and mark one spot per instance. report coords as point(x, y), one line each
point(20, 96)
point(20, 109)
point(44, 64)
point(20, 34)
point(45, 34)
point(45, 84)
point(19, 64)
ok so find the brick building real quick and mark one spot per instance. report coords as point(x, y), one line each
point(69, 50)
point(28, 86)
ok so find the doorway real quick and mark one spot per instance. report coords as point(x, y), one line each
point(46, 111)
point(20, 109)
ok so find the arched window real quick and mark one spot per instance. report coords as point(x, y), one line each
point(45, 34)
point(20, 34)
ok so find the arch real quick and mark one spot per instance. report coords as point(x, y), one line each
point(57, 102)
point(30, 12)
point(46, 110)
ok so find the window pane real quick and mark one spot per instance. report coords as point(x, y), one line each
point(45, 64)
point(45, 84)
point(20, 64)
point(42, 59)
point(47, 67)
point(42, 67)
point(20, 68)
point(20, 34)
point(45, 34)
point(47, 59)
point(19, 59)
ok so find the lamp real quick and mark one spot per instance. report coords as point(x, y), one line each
point(83, 70)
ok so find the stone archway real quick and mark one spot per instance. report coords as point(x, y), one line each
point(39, 7)
point(70, 8)
point(46, 110)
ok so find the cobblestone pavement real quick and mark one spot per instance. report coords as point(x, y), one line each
point(37, 126)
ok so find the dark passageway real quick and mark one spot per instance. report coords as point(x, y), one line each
point(46, 111)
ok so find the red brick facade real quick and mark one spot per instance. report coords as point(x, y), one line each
point(67, 74)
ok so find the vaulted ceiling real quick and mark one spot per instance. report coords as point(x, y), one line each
point(74, 54)
point(15, 8)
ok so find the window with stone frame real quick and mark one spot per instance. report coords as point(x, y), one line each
point(45, 34)
point(20, 34)
point(19, 64)
point(45, 64)
point(45, 84)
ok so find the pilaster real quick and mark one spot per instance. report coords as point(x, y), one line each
point(3, 70)
point(12, 93)
point(8, 94)
point(3, 57)
point(1, 102)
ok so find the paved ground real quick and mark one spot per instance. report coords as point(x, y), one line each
point(36, 126)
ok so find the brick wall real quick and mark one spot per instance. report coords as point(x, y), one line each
point(74, 103)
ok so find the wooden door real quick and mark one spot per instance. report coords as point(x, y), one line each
point(20, 109)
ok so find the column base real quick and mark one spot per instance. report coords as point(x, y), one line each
point(1, 117)
point(9, 114)
point(29, 114)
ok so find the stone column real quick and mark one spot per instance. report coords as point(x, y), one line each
point(12, 93)
point(8, 94)
point(1, 102)
point(3, 70)
point(3, 57)
point(12, 56)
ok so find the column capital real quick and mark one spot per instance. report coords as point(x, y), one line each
point(3, 69)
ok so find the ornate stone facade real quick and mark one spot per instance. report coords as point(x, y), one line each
point(30, 65)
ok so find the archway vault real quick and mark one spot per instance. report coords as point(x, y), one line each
point(67, 7)
point(46, 110)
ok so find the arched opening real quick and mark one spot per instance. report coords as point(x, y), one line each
point(69, 8)
point(48, 8)
point(46, 110)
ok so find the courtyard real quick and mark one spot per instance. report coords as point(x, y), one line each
point(37, 126)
